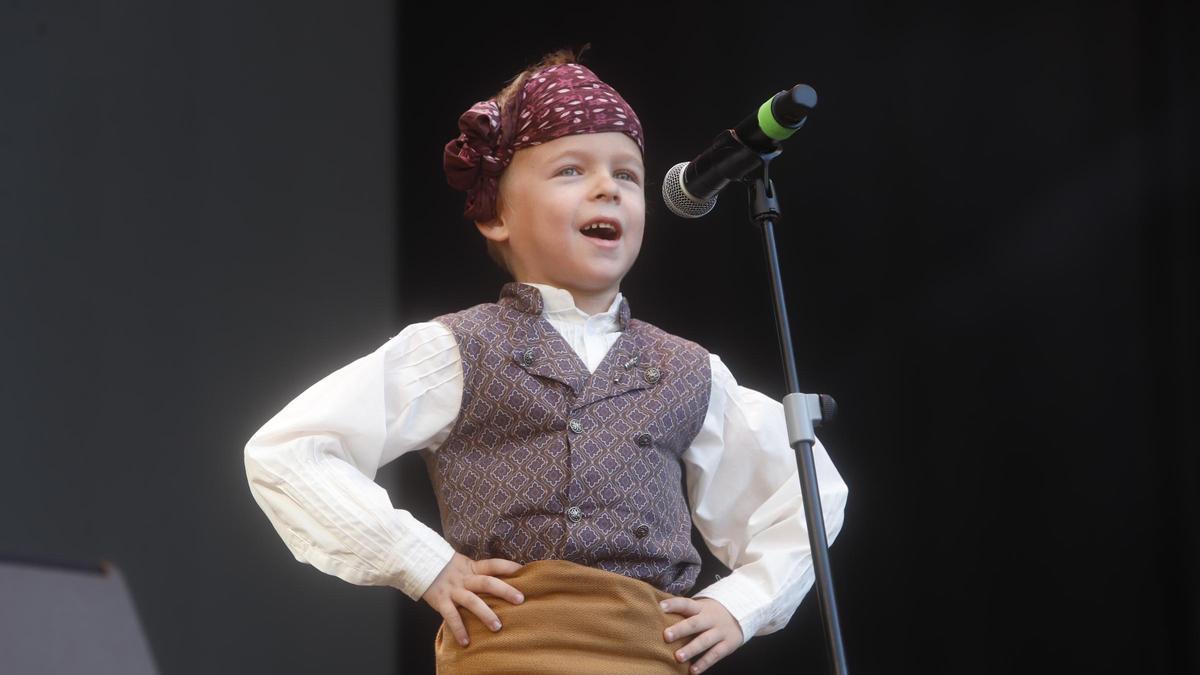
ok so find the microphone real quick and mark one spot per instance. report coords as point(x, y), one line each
point(690, 188)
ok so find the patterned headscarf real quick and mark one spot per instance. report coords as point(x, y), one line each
point(555, 101)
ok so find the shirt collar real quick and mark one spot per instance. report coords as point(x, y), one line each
point(560, 304)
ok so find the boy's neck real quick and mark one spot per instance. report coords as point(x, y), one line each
point(590, 302)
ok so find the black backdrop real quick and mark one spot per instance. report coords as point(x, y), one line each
point(989, 248)
point(990, 258)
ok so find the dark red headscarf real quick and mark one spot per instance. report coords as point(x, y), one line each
point(555, 101)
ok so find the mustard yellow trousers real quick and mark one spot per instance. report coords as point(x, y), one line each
point(575, 620)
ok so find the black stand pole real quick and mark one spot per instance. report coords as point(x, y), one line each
point(803, 412)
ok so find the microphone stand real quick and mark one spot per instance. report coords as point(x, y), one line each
point(802, 412)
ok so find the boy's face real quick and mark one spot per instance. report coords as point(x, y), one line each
point(550, 192)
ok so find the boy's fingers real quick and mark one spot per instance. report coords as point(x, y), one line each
point(496, 587)
point(697, 646)
point(479, 608)
point(496, 566)
point(450, 613)
point(716, 653)
point(687, 627)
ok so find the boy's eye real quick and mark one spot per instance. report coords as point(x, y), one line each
point(628, 175)
point(564, 170)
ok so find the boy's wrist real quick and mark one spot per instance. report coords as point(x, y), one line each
point(741, 600)
point(416, 564)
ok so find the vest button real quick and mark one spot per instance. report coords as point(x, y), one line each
point(641, 531)
point(643, 439)
point(576, 426)
point(652, 374)
point(574, 514)
point(527, 357)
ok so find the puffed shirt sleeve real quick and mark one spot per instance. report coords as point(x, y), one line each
point(311, 467)
point(744, 488)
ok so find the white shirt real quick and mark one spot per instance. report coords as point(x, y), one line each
point(311, 469)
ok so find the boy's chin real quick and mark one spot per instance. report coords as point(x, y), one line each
point(605, 280)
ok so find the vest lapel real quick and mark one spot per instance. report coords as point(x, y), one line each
point(546, 353)
point(622, 370)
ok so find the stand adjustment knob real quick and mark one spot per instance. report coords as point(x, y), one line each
point(828, 409)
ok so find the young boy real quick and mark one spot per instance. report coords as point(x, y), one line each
point(556, 429)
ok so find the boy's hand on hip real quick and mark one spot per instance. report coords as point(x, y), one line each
point(717, 632)
point(457, 586)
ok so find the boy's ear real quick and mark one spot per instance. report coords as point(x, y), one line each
point(493, 229)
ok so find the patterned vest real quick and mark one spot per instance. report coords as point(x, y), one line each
point(547, 460)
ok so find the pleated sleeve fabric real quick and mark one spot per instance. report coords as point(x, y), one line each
point(311, 467)
point(744, 488)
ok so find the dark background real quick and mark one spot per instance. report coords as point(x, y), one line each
point(990, 257)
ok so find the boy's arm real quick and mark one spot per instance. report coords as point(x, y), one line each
point(744, 488)
point(310, 468)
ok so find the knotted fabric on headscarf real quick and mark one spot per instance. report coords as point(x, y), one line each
point(555, 101)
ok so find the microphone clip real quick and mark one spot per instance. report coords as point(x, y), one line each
point(763, 201)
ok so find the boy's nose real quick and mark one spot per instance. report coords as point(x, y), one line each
point(608, 189)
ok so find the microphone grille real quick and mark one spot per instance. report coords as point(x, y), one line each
point(677, 198)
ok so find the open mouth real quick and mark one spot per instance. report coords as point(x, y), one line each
point(608, 230)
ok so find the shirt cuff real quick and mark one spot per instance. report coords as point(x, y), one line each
point(413, 567)
point(743, 599)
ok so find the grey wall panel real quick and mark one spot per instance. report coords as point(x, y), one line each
point(197, 209)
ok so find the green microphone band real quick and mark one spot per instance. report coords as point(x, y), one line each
point(766, 121)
